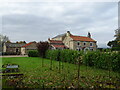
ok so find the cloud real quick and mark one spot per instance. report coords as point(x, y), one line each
point(38, 21)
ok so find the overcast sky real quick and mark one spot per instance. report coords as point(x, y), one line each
point(38, 21)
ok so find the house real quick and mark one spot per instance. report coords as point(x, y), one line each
point(27, 47)
point(19, 48)
point(56, 44)
point(74, 42)
point(12, 47)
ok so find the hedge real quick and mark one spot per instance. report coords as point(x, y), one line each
point(115, 49)
point(33, 53)
point(63, 55)
point(104, 60)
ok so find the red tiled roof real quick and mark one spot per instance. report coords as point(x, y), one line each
point(82, 38)
point(61, 46)
point(55, 41)
point(27, 44)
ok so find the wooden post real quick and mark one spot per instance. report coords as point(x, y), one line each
point(78, 69)
point(42, 62)
point(79, 62)
point(51, 64)
point(58, 58)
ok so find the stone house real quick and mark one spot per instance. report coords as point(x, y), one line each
point(76, 42)
point(56, 44)
point(28, 47)
point(19, 48)
point(12, 47)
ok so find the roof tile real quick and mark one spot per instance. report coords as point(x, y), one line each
point(27, 44)
point(81, 38)
point(60, 46)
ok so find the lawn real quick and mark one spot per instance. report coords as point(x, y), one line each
point(36, 76)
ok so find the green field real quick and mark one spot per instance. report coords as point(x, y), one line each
point(36, 76)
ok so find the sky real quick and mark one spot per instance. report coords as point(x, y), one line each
point(38, 20)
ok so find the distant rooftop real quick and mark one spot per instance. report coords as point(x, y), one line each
point(15, 44)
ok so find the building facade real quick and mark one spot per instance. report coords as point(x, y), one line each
point(76, 42)
point(19, 48)
point(56, 44)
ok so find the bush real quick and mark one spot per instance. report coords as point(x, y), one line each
point(33, 53)
point(103, 60)
point(64, 55)
point(115, 48)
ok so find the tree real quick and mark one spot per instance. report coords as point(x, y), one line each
point(112, 43)
point(8, 41)
point(117, 34)
point(115, 44)
point(21, 42)
point(3, 38)
point(42, 48)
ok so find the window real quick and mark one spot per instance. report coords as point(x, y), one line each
point(84, 43)
point(91, 44)
point(78, 43)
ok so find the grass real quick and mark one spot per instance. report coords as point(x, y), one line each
point(36, 76)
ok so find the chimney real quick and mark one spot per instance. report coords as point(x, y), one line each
point(68, 33)
point(48, 39)
point(89, 35)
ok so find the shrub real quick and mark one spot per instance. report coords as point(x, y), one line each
point(103, 60)
point(64, 55)
point(33, 53)
point(115, 48)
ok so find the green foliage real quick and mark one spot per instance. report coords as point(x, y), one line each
point(115, 48)
point(103, 60)
point(33, 53)
point(65, 55)
point(115, 44)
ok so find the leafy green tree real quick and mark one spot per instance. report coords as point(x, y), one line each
point(115, 44)
point(117, 34)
